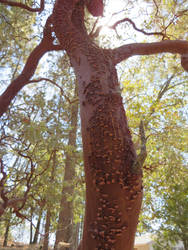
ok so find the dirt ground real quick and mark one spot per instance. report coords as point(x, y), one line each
point(20, 246)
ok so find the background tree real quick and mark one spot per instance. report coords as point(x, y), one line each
point(44, 128)
point(165, 168)
point(173, 215)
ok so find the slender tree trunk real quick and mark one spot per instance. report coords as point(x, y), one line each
point(36, 236)
point(50, 205)
point(65, 223)
point(185, 243)
point(76, 238)
point(5, 242)
point(31, 227)
point(47, 230)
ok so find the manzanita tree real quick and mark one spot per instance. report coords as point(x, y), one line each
point(112, 171)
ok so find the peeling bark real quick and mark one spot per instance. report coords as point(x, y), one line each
point(113, 186)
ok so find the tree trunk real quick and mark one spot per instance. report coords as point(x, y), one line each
point(185, 243)
point(36, 236)
point(76, 238)
point(47, 230)
point(5, 242)
point(113, 185)
point(31, 227)
point(65, 224)
point(113, 180)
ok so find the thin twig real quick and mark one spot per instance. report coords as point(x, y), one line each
point(137, 29)
point(53, 82)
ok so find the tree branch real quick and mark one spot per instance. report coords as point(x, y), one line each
point(157, 7)
point(28, 71)
point(23, 6)
point(162, 91)
point(52, 82)
point(138, 164)
point(137, 29)
point(124, 52)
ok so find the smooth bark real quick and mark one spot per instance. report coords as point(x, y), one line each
point(175, 47)
point(29, 69)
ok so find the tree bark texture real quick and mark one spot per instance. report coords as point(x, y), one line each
point(47, 230)
point(65, 224)
point(113, 183)
point(113, 186)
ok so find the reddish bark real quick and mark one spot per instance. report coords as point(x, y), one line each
point(95, 7)
point(113, 180)
point(24, 6)
point(113, 186)
point(28, 71)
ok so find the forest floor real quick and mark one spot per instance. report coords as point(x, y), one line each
point(19, 246)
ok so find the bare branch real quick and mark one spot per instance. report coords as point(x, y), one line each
point(137, 29)
point(24, 6)
point(168, 46)
point(157, 7)
point(14, 201)
point(54, 83)
point(93, 28)
point(165, 88)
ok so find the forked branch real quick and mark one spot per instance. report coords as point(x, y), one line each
point(23, 6)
